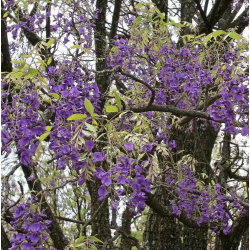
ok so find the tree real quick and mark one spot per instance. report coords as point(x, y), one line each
point(112, 111)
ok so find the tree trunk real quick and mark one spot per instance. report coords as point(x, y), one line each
point(161, 233)
point(126, 243)
point(5, 243)
point(245, 241)
point(100, 222)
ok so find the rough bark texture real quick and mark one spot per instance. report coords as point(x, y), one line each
point(126, 244)
point(100, 222)
point(5, 243)
point(162, 6)
point(232, 240)
point(245, 241)
point(161, 232)
point(5, 57)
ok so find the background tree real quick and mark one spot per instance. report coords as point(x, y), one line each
point(113, 108)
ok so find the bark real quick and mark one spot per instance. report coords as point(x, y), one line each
point(100, 222)
point(161, 232)
point(187, 13)
point(232, 240)
point(5, 57)
point(126, 243)
point(5, 243)
point(245, 241)
point(162, 6)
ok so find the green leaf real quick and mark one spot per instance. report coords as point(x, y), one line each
point(90, 127)
point(235, 36)
point(43, 136)
point(77, 46)
point(87, 133)
point(33, 71)
point(224, 67)
point(111, 109)
point(95, 239)
point(50, 42)
point(138, 5)
point(16, 61)
point(48, 128)
point(214, 34)
point(76, 117)
point(18, 74)
point(88, 105)
point(27, 77)
point(55, 95)
point(80, 239)
point(26, 56)
point(6, 14)
point(118, 100)
point(202, 56)
point(137, 20)
point(49, 61)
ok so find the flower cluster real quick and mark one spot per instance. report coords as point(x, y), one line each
point(193, 196)
point(21, 123)
point(31, 225)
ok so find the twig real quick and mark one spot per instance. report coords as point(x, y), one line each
point(12, 171)
point(70, 220)
point(94, 214)
point(142, 82)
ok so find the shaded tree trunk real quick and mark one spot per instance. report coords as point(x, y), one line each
point(245, 241)
point(5, 243)
point(161, 233)
point(126, 244)
point(100, 221)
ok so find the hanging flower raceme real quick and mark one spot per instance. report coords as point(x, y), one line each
point(30, 226)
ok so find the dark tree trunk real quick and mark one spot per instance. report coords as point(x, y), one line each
point(100, 221)
point(126, 243)
point(218, 245)
point(5, 243)
point(194, 238)
point(161, 233)
point(5, 56)
point(245, 241)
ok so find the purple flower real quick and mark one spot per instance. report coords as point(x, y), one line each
point(147, 148)
point(26, 246)
point(121, 180)
point(106, 181)
point(129, 146)
point(34, 238)
point(31, 178)
point(89, 145)
point(98, 156)
point(25, 157)
point(102, 192)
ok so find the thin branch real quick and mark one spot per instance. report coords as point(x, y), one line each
point(94, 214)
point(115, 19)
point(70, 220)
point(203, 15)
point(12, 171)
point(151, 101)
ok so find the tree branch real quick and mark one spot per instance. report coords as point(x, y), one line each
point(151, 101)
point(115, 19)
